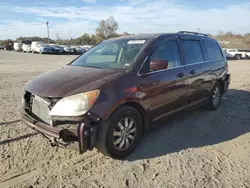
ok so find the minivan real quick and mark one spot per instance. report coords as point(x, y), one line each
point(109, 101)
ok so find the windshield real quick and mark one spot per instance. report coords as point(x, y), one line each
point(114, 54)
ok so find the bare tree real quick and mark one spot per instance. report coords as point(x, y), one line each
point(107, 29)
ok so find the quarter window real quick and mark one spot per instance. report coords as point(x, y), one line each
point(192, 51)
point(213, 50)
point(168, 51)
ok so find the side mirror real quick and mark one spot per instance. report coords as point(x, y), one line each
point(156, 65)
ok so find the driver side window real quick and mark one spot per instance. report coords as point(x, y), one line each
point(167, 51)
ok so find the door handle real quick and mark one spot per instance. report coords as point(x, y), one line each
point(192, 72)
point(180, 75)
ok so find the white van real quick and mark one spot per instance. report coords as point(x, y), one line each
point(26, 48)
point(18, 46)
point(34, 46)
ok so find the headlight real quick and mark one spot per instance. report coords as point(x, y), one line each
point(75, 105)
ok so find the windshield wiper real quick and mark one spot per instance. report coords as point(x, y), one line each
point(93, 67)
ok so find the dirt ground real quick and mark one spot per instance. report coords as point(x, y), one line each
point(196, 149)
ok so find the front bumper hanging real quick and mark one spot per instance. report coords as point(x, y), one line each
point(81, 139)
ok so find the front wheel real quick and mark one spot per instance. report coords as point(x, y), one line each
point(215, 98)
point(119, 136)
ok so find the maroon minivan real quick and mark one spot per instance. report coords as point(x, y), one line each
point(110, 96)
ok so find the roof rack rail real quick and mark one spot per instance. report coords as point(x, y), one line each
point(190, 32)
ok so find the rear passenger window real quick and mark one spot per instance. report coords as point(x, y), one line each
point(192, 51)
point(213, 50)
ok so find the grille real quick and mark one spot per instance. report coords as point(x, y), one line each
point(40, 108)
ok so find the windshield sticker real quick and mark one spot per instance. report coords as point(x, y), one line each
point(136, 41)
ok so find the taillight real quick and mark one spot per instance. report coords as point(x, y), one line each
point(227, 67)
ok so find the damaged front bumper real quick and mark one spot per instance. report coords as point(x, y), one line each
point(82, 137)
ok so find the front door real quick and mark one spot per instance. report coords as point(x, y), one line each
point(165, 89)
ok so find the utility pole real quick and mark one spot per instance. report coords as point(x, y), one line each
point(47, 23)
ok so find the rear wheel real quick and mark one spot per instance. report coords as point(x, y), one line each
point(215, 98)
point(119, 136)
point(238, 57)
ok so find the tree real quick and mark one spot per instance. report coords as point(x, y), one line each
point(107, 29)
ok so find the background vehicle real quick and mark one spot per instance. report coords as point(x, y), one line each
point(87, 47)
point(34, 46)
point(29, 42)
point(44, 49)
point(228, 55)
point(8, 45)
point(18, 46)
point(238, 54)
point(67, 49)
point(78, 50)
point(247, 53)
point(26, 48)
point(111, 100)
point(57, 49)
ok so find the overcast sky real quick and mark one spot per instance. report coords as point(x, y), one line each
point(72, 18)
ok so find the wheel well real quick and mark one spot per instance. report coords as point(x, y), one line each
point(221, 82)
point(140, 110)
point(240, 55)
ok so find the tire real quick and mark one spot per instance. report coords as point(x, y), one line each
point(109, 133)
point(213, 104)
point(238, 57)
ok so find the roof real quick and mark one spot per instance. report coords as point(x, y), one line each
point(146, 36)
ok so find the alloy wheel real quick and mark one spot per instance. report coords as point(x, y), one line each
point(216, 96)
point(124, 133)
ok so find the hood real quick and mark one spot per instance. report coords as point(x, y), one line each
point(69, 80)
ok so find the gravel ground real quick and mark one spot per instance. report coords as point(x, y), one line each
point(196, 149)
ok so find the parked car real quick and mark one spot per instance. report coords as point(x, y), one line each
point(110, 101)
point(86, 47)
point(26, 48)
point(18, 46)
point(68, 49)
point(228, 55)
point(8, 45)
point(238, 54)
point(44, 49)
point(79, 50)
point(34, 46)
point(57, 49)
point(1, 47)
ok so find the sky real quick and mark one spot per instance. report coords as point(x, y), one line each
point(72, 18)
